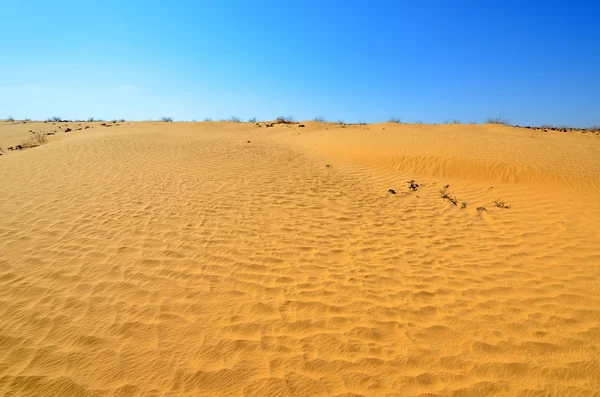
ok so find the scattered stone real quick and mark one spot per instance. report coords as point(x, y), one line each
point(68, 130)
point(463, 205)
point(301, 126)
point(392, 191)
point(248, 141)
point(446, 186)
point(413, 185)
point(327, 165)
point(11, 148)
point(19, 147)
point(479, 209)
point(50, 133)
point(86, 127)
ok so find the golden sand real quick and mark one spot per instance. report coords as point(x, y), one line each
point(177, 259)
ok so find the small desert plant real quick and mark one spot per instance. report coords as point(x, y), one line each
point(207, 119)
point(235, 119)
point(501, 204)
point(90, 120)
point(320, 119)
point(166, 119)
point(55, 119)
point(28, 120)
point(463, 205)
point(497, 120)
point(10, 118)
point(396, 120)
point(418, 122)
point(284, 119)
point(548, 126)
point(447, 196)
point(455, 121)
point(342, 122)
point(252, 120)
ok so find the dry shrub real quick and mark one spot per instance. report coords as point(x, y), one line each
point(284, 120)
point(36, 139)
point(497, 120)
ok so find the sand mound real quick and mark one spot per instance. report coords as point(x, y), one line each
point(178, 259)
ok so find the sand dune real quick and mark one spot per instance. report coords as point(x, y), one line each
point(179, 259)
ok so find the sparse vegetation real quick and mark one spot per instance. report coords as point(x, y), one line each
point(497, 120)
point(207, 119)
point(455, 121)
point(90, 120)
point(320, 119)
point(10, 118)
point(55, 119)
point(548, 126)
point(501, 204)
point(235, 119)
point(447, 196)
point(396, 120)
point(166, 119)
point(463, 205)
point(252, 120)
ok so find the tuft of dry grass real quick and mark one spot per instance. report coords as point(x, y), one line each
point(501, 204)
point(166, 119)
point(320, 119)
point(396, 120)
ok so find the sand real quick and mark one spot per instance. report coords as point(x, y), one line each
point(179, 259)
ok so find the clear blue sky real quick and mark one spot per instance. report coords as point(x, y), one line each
point(532, 62)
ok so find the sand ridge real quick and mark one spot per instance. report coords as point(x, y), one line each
point(177, 259)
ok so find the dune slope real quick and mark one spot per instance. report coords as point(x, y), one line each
point(224, 259)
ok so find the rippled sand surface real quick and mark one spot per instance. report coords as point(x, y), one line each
point(228, 259)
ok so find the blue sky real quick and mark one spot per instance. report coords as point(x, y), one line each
point(532, 62)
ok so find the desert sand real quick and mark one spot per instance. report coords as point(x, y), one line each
point(231, 259)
